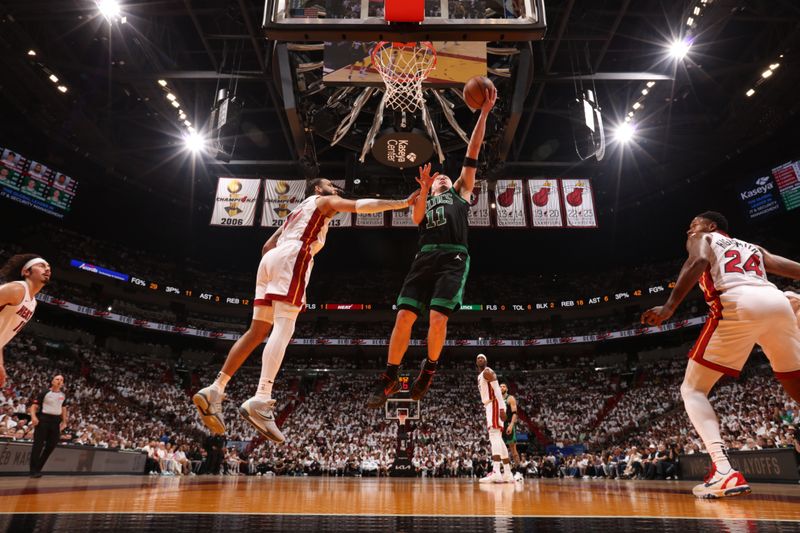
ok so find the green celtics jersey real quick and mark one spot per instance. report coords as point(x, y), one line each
point(445, 220)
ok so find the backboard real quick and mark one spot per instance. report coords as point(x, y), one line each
point(407, 405)
point(349, 63)
point(445, 20)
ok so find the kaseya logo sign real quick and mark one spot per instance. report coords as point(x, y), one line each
point(761, 186)
point(759, 196)
point(402, 149)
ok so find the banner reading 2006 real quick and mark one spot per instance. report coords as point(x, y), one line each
point(235, 202)
point(280, 198)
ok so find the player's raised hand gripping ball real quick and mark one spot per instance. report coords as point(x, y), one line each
point(478, 91)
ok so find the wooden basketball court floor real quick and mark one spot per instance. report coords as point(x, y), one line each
point(141, 503)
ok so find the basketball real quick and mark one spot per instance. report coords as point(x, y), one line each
point(475, 91)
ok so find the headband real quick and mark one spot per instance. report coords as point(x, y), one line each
point(32, 262)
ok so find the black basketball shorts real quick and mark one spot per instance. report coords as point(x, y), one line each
point(436, 279)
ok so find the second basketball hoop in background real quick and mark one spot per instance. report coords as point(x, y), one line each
point(475, 91)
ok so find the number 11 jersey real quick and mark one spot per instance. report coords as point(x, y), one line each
point(446, 220)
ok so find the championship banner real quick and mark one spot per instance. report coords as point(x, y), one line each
point(235, 202)
point(343, 219)
point(545, 198)
point(479, 205)
point(370, 220)
point(510, 199)
point(280, 198)
point(402, 219)
point(579, 203)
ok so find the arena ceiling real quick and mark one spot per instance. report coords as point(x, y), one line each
point(114, 114)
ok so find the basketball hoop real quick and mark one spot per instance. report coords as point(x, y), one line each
point(403, 67)
point(402, 415)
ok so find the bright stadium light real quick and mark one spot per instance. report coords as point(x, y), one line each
point(679, 48)
point(62, 88)
point(171, 97)
point(110, 9)
point(163, 83)
point(624, 132)
point(31, 53)
point(194, 142)
point(766, 74)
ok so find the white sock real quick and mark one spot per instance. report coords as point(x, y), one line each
point(719, 456)
point(506, 466)
point(271, 359)
point(221, 381)
point(496, 467)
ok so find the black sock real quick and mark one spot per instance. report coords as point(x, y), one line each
point(431, 365)
point(391, 371)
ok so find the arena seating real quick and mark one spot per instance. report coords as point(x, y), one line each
point(137, 401)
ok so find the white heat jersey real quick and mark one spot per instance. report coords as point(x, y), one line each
point(487, 394)
point(14, 317)
point(735, 263)
point(306, 225)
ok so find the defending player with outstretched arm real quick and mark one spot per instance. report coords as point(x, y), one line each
point(283, 275)
point(744, 309)
point(439, 271)
point(25, 275)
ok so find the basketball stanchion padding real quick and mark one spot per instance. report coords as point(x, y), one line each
point(404, 10)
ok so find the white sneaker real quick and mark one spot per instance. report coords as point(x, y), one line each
point(261, 416)
point(209, 405)
point(508, 477)
point(518, 477)
point(492, 477)
point(718, 485)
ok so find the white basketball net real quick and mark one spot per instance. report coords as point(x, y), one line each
point(403, 67)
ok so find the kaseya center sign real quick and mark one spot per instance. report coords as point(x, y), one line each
point(402, 149)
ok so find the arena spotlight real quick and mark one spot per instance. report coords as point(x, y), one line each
point(750, 92)
point(194, 142)
point(171, 97)
point(163, 83)
point(32, 53)
point(650, 84)
point(53, 78)
point(110, 9)
point(624, 132)
point(62, 88)
point(679, 48)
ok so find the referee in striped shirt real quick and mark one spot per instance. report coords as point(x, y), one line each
point(49, 417)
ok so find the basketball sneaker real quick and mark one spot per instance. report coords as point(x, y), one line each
point(383, 388)
point(423, 382)
point(492, 477)
point(717, 485)
point(261, 415)
point(209, 405)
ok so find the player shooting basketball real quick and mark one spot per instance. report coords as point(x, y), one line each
point(439, 271)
